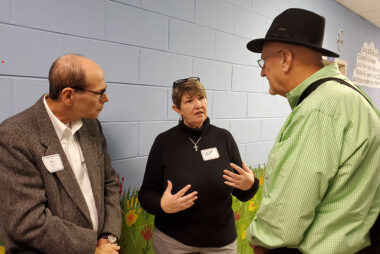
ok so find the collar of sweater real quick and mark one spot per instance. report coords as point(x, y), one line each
point(195, 131)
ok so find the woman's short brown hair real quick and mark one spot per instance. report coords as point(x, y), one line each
point(188, 86)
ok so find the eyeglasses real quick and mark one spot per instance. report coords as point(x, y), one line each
point(181, 81)
point(261, 61)
point(101, 93)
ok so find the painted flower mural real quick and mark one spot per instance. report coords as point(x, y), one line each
point(132, 211)
point(121, 183)
point(131, 217)
point(147, 235)
point(137, 225)
point(237, 216)
point(261, 181)
point(147, 232)
point(252, 206)
point(137, 230)
point(243, 234)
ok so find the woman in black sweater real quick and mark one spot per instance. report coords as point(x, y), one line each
point(189, 178)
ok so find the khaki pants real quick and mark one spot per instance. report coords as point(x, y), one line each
point(164, 244)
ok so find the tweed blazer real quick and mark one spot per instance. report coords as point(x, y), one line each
point(43, 212)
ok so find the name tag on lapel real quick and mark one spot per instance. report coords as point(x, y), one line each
point(210, 154)
point(53, 163)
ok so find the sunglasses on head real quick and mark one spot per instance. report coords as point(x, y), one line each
point(183, 80)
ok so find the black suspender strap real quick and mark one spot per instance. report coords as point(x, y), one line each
point(319, 82)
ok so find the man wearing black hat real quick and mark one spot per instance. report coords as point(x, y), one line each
point(321, 191)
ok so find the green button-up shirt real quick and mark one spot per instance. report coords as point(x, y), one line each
point(321, 191)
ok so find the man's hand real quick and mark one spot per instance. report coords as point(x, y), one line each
point(102, 241)
point(258, 249)
point(243, 180)
point(107, 248)
point(177, 202)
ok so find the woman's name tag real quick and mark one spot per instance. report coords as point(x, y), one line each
point(210, 154)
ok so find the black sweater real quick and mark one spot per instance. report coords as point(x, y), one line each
point(210, 221)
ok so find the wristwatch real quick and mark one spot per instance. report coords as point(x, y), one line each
point(111, 238)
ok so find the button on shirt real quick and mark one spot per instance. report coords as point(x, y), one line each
point(321, 191)
point(71, 147)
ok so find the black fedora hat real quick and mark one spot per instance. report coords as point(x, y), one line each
point(295, 26)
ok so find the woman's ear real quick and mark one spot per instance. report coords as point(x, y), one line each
point(176, 109)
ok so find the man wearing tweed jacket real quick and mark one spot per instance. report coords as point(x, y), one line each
point(58, 191)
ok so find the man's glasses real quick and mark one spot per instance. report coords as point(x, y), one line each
point(181, 81)
point(261, 61)
point(101, 93)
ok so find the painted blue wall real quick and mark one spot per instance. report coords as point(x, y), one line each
point(143, 45)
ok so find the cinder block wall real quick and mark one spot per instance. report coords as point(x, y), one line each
point(143, 45)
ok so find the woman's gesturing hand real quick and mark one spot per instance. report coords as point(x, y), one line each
point(243, 180)
point(174, 203)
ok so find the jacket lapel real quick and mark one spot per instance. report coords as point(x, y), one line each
point(88, 145)
point(66, 176)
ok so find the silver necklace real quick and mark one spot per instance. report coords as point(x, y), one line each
point(195, 144)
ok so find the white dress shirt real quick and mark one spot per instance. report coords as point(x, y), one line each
point(71, 147)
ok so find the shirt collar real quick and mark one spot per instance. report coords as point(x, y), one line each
point(63, 130)
point(330, 70)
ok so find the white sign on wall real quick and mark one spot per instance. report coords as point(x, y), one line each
point(367, 70)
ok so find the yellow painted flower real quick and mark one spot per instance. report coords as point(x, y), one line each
point(131, 217)
point(251, 206)
point(243, 234)
point(261, 181)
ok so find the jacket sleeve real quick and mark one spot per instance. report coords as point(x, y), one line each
point(24, 214)
point(112, 220)
point(153, 185)
point(235, 158)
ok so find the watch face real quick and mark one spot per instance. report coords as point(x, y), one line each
point(112, 239)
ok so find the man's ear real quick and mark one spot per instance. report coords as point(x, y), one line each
point(287, 60)
point(67, 95)
point(176, 109)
